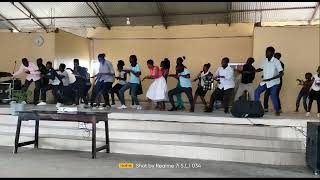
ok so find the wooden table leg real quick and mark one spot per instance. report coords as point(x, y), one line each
point(106, 126)
point(16, 141)
point(94, 138)
point(36, 134)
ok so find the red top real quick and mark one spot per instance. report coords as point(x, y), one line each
point(155, 72)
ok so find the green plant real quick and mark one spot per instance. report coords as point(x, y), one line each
point(19, 96)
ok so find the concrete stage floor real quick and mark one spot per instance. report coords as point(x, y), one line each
point(57, 163)
point(297, 119)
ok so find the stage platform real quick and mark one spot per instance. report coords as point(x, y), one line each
point(277, 140)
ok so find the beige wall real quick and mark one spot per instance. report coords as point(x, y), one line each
point(200, 45)
point(68, 47)
point(299, 47)
point(57, 47)
point(15, 46)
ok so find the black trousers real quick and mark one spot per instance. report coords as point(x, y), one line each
point(267, 95)
point(36, 92)
point(56, 92)
point(314, 95)
point(84, 93)
point(225, 95)
point(77, 87)
point(179, 90)
point(105, 88)
point(115, 89)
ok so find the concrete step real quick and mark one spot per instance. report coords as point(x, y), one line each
point(275, 156)
point(261, 131)
point(193, 137)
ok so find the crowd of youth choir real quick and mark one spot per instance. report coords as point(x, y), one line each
point(72, 85)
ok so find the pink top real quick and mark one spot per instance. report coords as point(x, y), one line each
point(34, 72)
point(155, 72)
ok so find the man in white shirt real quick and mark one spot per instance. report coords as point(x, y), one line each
point(33, 75)
point(104, 80)
point(54, 84)
point(272, 71)
point(225, 77)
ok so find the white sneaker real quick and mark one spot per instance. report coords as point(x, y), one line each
point(58, 105)
point(308, 114)
point(101, 108)
point(318, 115)
point(133, 106)
point(41, 104)
point(139, 107)
point(113, 105)
point(122, 107)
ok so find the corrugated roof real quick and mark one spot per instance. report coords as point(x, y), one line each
point(79, 14)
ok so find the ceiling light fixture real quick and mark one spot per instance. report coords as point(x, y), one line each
point(128, 21)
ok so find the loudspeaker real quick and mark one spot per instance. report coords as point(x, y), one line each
point(313, 146)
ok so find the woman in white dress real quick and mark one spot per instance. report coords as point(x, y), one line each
point(158, 90)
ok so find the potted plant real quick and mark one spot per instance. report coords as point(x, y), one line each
point(19, 100)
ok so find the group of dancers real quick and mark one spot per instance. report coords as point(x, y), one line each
point(75, 83)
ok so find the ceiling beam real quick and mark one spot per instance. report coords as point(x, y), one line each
point(107, 22)
point(314, 12)
point(162, 14)
point(9, 22)
point(171, 14)
point(99, 13)
point(31, 15)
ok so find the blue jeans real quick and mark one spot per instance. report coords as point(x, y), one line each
point(273, 92)
point(134, 90)
point(303, 95)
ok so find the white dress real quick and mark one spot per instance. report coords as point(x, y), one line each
point(158, 90)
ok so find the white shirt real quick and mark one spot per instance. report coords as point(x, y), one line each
point(107, 67)
point(314, 86)
point(271, 69)
point(72, 77)
point(228, 81)
point(65, 79)
point(32, 68)
point(122, 75)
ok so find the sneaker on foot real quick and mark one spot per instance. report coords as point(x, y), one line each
point(139, 107)
point(41, 104)
point(318, 115)
point(133, 106)
point(101, 108)
point(308, 114)
point(58, 105)
point(277, 113)
point(113, 105)
point(266, 110)
point(173, 109)
point(122, 107)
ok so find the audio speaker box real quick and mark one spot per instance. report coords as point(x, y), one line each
point(313, 146)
